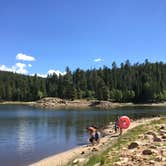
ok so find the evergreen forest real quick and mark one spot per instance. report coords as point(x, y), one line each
point(144, 82)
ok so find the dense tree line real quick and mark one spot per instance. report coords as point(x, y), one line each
point(144, 82)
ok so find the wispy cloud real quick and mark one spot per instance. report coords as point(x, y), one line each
point(29, 65)
point(97, 60)
point(17, 68)
point(24, 57)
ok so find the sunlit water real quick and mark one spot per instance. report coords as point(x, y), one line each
point(28, 134)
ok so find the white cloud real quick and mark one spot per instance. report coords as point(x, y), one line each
point(29, 65)
point(5, 68)
point(98, 60)
point(57, 72)
point(17, 68)
point(40, 75)
point(24, 57)
point(21, 68)
point(20, 65)
point(50, 72)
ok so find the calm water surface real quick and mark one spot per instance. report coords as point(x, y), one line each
point(28, 134)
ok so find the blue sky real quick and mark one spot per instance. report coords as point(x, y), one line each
point(40, 36)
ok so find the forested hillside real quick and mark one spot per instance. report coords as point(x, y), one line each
point(144, 82)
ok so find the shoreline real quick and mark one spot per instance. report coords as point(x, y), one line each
point(85, 151)
point(56, 103)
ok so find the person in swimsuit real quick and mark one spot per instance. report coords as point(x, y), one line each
point(94, 135)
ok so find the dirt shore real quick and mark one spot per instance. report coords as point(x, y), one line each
point(54, 103)
point(81, 153)
point(57, 103)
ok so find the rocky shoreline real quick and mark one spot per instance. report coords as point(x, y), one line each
point(57, 103)
point(50, 102)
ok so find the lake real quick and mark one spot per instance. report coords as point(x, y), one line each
point(29, 134)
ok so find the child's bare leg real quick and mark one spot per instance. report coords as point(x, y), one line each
point(121, 131)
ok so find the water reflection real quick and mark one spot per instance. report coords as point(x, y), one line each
point(25, 137)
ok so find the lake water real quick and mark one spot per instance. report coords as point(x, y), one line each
point(29, 134)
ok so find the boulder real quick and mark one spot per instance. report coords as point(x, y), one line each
point(162, 127)
point(147, 152)
point(133, 145)
point(157, 139)
point(159, 158)
point(164, 136)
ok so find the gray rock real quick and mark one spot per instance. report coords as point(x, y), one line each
point(151, 162)
point(97, 164)
point(163, 152)
point(164, 136)
point(157, 139)
point(118, 163)
point(162, 127)
point(95, 149)
point(82, 152)
point(79, 161)
point(133, 145)
point(148, 137)
point(151, 133)
point(147, 152)
point(162, 131)
point(75, 161)
point(158, 158)
point(153, 147)
point(141, 136)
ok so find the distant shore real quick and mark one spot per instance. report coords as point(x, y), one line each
point(57, 103)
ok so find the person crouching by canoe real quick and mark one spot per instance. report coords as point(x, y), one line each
point(94, 135)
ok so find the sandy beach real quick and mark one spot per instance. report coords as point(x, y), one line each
point(85, 151)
